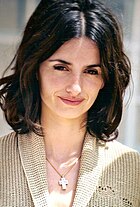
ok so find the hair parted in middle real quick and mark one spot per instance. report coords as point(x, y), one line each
point(52, 24)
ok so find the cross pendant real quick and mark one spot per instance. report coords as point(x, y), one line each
point(63, 182)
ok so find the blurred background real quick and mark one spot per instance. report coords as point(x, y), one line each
point(13, 17)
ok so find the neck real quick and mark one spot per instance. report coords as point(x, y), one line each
point(63, 139)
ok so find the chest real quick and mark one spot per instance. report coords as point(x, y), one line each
point(62, 190)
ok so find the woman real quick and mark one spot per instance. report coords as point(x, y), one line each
point(64, 102)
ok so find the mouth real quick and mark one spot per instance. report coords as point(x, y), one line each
point(71, 101)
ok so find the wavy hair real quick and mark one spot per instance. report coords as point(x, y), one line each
point(52, 24)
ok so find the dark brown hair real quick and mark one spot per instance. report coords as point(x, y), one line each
point(53, 23)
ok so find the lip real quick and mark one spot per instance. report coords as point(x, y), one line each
point(71, 101)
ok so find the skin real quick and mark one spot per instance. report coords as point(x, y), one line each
point(70, 81)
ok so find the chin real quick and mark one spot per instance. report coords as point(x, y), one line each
point(72, 115)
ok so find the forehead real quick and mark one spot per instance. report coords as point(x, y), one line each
point(78, 48)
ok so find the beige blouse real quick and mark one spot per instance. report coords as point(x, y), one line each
point(109, 173)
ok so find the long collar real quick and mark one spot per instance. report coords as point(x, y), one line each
point(32, 153)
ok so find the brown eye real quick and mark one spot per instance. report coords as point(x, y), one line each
point(60, 68)
point(91, 71)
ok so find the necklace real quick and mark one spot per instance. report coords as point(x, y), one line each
point(63, 182)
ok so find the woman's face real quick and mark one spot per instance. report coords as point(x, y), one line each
point(71, 79)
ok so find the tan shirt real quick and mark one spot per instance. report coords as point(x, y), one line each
point(109, 173)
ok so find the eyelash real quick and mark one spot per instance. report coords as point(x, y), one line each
point(60, 67)
point(92, 72)
point(88, 71)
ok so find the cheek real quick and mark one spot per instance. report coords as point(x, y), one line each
point(92, 90)
point(94, 85)
point(44, 88)
point(50, 84)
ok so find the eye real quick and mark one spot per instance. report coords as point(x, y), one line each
point(91, 71)
point(60, 67)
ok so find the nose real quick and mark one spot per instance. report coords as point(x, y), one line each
point(74, 87)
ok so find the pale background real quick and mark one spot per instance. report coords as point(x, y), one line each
point(13, 17)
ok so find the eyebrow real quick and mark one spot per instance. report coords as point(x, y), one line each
point(68, 63)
